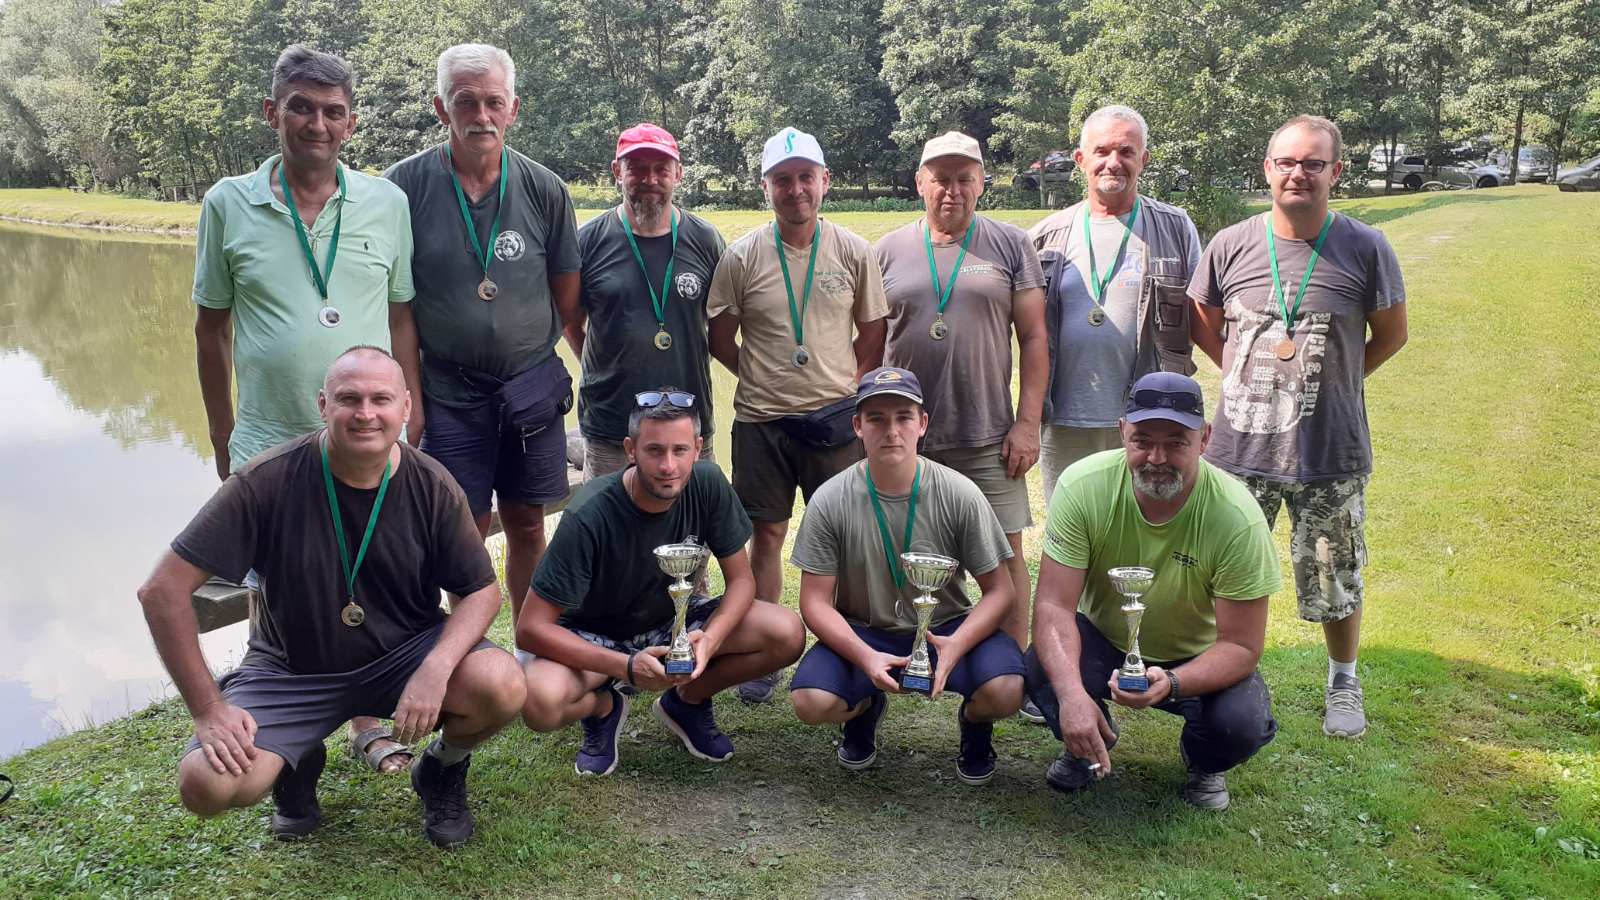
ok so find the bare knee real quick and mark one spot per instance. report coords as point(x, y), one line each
point(522, 524)
point(995, 699)
point(788, 638)
point(768, 536)
point(207, 793)
point(817, 707)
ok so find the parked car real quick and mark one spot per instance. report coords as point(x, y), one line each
point(1413, 173)
point(1534, 163)
point(1379, 160)
point(1055, 169)
point(1582, 177)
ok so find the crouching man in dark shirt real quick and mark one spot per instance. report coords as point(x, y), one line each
point(353, 536)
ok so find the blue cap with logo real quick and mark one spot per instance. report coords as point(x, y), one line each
point(790, 143)
point(1169, 396)
point(889, 380)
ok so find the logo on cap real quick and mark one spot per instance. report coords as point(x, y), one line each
point(788, 143)
point(890, 375)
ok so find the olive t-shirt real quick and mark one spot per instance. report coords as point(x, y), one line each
point(1302, 419)
point(1218, 545)
point(966, 378)
point(518, 329)
point(620, 357)
point(272, 516)
point(600, 566)
point(839, 536)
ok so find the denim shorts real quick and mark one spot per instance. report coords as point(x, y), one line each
point(523, 466)
point(825, 670)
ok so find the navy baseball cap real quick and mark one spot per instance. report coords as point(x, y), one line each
point(889, 380)
point(1170, 396)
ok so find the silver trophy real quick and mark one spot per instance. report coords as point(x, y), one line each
point(680, 561)
point(928, 572)
point(1132, 582)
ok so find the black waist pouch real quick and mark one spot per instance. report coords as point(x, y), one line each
point(824, 428)
point(535, 398)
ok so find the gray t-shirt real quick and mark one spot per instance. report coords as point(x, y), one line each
point(966, 378)
point(839, 536)
point(518, 329)
point(1302, 419)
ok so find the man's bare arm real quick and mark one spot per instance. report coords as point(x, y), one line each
point(564, 289)
point(1205, 328)
point(407, 351)
point(868, 345)
point(723, 335)
point(1389, 334)
point(213, 344)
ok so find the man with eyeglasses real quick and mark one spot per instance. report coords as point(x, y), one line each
point(1312, 302)
point(1155, 503)
point(599, 614)
point(647, 267)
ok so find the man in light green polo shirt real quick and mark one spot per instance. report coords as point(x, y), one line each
point(1156, 504)
point(296, 263)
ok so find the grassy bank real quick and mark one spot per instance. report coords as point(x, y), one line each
point(1480, 774)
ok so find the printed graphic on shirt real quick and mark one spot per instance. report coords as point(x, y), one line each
point(1262, 394)
point(510, 246)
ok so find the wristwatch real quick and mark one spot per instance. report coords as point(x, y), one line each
point(1172, 685)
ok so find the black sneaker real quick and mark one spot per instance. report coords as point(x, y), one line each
point(446, 821)
point(1069, 774)
point(860, 744)
point(695, 725)
point(1204, 790)
point(760, 690)
point(597, 755)
point(975, 764)
point(295, 812)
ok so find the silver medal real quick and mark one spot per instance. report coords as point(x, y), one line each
point(329, 317)
point(1097, 316)
point(800, 358)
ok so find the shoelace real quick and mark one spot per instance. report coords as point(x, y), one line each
point(1344, 699)
point(594, 735)
point(450, 795)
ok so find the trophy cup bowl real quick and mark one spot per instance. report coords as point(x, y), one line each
point(928, 572)
point(1132, 582)
point(679, 561)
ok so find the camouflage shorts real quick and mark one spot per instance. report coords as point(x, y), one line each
point(1327, 542)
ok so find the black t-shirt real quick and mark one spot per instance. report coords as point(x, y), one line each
point(600, 567)
point(619, 358)
point(272, 516)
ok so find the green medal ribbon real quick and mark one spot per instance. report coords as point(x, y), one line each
point(338, 526)
point(797, 314)
point(659, 304)
point(1096, 283)
point(933, 268)
point(484, 251)
point(883, 524)
point(320, 278)
point(1277, 280)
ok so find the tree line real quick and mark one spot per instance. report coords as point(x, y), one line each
point(164, 96)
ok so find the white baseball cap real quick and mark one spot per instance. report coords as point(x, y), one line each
point(790, 143)
point(951, 143)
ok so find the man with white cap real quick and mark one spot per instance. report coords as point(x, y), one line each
point(958, 285)
point(647, 268)
point(806, 297)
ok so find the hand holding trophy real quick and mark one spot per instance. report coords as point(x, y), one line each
point(928, 572)
point(1132, 582)
point(680, 561)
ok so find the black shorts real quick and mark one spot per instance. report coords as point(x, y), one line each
point(294, 713)
point(825, 670)
point(524, 466)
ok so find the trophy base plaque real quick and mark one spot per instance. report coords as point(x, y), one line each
point(919, 684)
point(679, 666)
point(1135, 683)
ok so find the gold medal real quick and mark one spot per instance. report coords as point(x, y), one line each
point(352, 614)
point(1285, 349)
point(487, 289)
point(938, 330)
point(1097, 317)
point(663, 341)
point(800, 358)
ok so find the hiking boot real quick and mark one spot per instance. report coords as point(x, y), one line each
point(1069, 774)
point(445, 818)
point(1030, 712)
point(597, 755)
point(1342, 712)
point(759, 690)
point(1204, 790)
point(859, 746)
point(295, 812)
point(695, 726)
point(975, 763)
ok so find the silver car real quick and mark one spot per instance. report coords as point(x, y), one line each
point(1412, 172)
point(1582, 177)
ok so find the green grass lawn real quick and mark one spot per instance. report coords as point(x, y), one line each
point(1480, 775)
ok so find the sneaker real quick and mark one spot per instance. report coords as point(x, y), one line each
point(446, 821)
point(695, 726)
point(1343, 714)
point(1069, 774)
point(1030, 713)
point(597, 755)
point(859, 747)
point(295, 812)
point(1204, 790)
point(975, 763)
point(759, 690)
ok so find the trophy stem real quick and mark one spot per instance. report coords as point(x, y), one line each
point(680, 656)
point(1131, 677)
point(918, 674)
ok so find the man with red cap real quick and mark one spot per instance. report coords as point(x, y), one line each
point(647, 269)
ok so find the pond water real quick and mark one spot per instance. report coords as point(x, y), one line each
point(105, 458)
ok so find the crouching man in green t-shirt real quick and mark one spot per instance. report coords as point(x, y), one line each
point(1155, 503)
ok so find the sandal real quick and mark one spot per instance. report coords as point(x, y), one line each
point(11, 788)
point(361, 748)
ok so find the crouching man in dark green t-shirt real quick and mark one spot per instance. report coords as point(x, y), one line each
point(599, 612)
point(1155, 503)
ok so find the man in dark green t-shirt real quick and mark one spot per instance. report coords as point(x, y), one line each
point(598, 612)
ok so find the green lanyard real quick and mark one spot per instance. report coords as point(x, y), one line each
point(659, 304)
point(1096, 283)
point(797, 314)
point(1277, 281)
point(338, 524)
point(320, 278)
point(933, 268)
point(883, 524)
point(484, 251)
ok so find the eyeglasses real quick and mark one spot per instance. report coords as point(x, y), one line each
point(1286, 164)
point(680, 399)
point(1182, 401)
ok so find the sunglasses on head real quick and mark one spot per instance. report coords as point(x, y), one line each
point(1182, 401)
point(680, 399)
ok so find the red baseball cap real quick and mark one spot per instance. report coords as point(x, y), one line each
point(646, 136)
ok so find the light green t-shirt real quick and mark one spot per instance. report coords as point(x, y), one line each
point(839, 536)
point(1218, 545)
point(248, 260)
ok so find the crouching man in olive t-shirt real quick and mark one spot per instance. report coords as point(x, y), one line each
point(599, 612)
point(353, 535)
